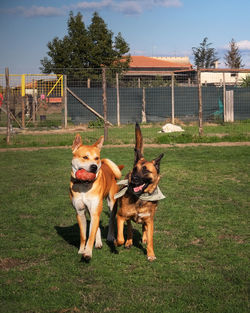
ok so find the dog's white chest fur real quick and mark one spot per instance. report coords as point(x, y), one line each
point(85, 200)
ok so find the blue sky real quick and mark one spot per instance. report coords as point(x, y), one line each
point(151, 27)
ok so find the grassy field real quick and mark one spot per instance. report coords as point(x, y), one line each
point(201, 238)
point(229, 132)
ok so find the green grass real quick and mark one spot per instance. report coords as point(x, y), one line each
point(200, 238)
point(229, 132)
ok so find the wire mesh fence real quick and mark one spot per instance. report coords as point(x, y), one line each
point(142, 96)
point(34, 100)
point(149, 98)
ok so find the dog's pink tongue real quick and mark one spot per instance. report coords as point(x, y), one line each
point(139, 188)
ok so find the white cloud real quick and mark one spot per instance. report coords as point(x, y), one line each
point(94, 5)
point(43, 11)
point(138, 6)
point(128, 7)
point(244, 44)
point(167, 3)
point(35, 11)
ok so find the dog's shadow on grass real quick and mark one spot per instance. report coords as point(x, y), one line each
point(71, 234)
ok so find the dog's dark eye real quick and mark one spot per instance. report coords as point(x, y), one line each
point(96, 159)
point(145, 170)
point(85, 157)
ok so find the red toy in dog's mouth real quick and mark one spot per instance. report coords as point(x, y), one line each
point(138, 188)
point(82, 174)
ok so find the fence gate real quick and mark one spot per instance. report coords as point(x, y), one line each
point(229, 106)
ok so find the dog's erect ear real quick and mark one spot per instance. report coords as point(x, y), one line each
point(138, 156)
point(99, 143)
point(157, 161)
point(76, 143)
point(138, 143)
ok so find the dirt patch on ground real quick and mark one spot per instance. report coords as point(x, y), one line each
point(9, 263)
point(48, 131)
point(179, 145)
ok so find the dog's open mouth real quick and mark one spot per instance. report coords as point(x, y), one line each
point(84, 175)
point(138, 188)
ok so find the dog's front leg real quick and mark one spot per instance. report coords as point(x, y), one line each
point(120, 226)
point(129, 241)
point(94, 233)
point(81, 219)
point(150, 246)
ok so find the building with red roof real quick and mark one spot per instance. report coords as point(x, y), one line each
point(142, 66)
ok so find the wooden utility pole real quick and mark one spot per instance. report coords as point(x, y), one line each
point(104, 101)
point(200, 102)
point(224, 97)
point(7, 80)
point(33, 102)
point(23, 99)
point(144, 118)
point(88, 83)
point(172, 93)
point(65, 100)
point(118, 100)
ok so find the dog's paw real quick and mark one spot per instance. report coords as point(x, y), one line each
point(151, 258)
point(81, 250)
point(87, 254)
point(128, 243)
point(98, 244)
point(118, 243)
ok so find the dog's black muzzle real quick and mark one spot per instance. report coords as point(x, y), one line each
point(138, 184)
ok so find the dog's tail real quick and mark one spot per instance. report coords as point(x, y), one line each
point(116, 169)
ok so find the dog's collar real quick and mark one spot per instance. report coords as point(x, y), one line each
point(155, 196)
point(78, 181)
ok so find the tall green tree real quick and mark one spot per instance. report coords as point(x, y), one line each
point(246, 81)
point(232, 57)
point(204, 55)
point(101, 52)
point(81, 48)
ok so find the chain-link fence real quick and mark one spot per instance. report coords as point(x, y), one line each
point(34, 100)
point(142, 96)
point(148, 98)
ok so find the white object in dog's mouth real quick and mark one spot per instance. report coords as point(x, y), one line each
point(138, 188)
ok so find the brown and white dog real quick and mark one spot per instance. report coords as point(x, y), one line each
point(92, 180)
point(138, 199)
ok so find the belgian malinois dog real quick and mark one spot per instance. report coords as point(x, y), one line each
point(138, 198)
